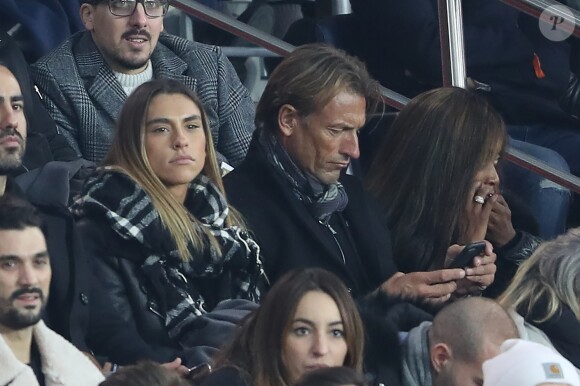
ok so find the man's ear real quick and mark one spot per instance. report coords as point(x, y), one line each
point(87, 14)
point(287, 119)
point(440, 356)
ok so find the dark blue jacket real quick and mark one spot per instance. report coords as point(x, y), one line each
point(44, 24)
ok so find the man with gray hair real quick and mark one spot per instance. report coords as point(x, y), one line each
point(450, 351)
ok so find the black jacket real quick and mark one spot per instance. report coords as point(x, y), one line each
point(129, 325)
point(290, 237)
point(230, 376)
point(500, 44)
point(563, 329)
point(43, 143)
point(117, 282)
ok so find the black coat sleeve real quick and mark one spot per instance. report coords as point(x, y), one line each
point(563, 329)
point(113, 330)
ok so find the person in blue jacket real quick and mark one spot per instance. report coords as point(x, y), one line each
point(39, 26)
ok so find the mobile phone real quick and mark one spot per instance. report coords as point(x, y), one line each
point(199, 372)
point(465, 257)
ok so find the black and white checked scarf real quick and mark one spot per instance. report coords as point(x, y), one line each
point(322, 200)
point(130, 212)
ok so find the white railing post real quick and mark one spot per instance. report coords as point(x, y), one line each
point(452, 47)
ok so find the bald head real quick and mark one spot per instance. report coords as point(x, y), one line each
point(468, 325)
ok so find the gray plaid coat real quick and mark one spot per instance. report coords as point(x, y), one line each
point(84, 97)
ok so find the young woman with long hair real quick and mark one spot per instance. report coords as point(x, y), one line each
point(435, 176)
point(166, 246)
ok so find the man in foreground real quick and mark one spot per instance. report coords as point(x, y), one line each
point(30, 353)
point(450, 351)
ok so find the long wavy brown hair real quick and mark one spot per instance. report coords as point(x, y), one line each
point(423, 171)
point(257, 348)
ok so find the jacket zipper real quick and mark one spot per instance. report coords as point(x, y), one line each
point(333, 232)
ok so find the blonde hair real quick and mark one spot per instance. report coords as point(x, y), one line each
point(128, 155)
point(550, 276)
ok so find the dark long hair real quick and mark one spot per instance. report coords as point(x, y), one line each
point(423, 172)
point(257, 348)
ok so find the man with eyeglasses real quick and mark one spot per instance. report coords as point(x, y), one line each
point(86, 80)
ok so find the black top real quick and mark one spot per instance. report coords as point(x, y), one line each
point(563, 329)
point(500, 46)
point(36, 363)
point(229, 376)
point(343, 237)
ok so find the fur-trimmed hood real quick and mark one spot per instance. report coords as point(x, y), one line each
point(62, 363)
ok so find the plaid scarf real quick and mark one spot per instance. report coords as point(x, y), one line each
point(322, 200)
point(131, 214)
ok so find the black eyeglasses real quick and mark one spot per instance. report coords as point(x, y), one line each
point(153, 8)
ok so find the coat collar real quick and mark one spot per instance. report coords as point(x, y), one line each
point(62, 363)
point(366, 225)
point(296, 208)
point(101, 83)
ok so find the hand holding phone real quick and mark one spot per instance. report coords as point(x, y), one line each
point(465, 257)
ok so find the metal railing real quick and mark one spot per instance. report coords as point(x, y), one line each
point(536, 7)
point(260, 38)
point(231, 25)
point(454, 72)
point(391, 97)
point(451, 40)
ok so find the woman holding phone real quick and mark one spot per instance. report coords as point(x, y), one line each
point(436, 177)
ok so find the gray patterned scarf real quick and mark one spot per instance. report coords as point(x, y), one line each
point(322, 200)
point(131, 214)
